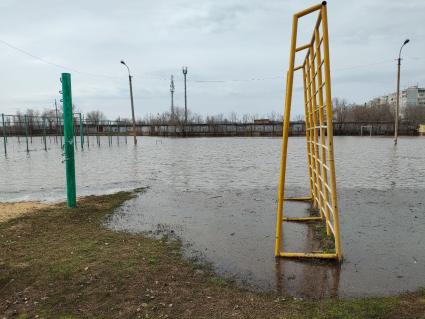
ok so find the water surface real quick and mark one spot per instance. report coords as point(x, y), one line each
point(219, 196)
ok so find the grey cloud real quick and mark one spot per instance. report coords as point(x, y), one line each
point(211, 17)
point(218, 40)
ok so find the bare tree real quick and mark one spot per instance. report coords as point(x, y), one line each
point(415, 114)
point(299, 118)
point(233, 117)
point(96, 117)
point(340, 110)
point(196, 118)
point(275, 116)
point(245, 118)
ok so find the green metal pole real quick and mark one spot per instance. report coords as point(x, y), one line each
point(68, 132)
point(26, 131)
point(4, 135)
point(81, 133)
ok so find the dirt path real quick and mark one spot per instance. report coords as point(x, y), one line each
point(13, 210)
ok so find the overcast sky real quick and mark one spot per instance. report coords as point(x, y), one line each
point(220, 41)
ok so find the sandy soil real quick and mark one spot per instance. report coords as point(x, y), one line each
point(12, 210)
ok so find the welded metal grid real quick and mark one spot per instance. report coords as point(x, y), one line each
point(319, 134)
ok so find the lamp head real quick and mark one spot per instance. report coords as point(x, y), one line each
point(184, 69)
point(122, 62)
point(406, 41)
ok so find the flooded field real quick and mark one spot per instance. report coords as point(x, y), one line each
point(219, 196)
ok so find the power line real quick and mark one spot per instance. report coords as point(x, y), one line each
point(111, 76)
point(251, 79)
point(44, 60)
point(364, 65)
point(56, 64)
point(240, 80)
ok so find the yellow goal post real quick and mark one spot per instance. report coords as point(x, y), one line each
point(319, 135)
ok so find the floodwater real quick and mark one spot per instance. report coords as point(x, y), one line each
point(219, 196)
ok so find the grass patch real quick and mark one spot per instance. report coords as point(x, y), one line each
point(63, 263)
point(327, 242)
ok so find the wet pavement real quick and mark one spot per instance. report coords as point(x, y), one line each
point(219, 196)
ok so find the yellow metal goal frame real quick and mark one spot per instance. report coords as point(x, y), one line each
point(319, 135)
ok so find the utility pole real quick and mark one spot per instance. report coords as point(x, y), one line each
point(398, 94)
point(184, 69)
point(132, 102)
point(172, 97)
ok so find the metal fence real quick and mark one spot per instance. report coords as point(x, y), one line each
point(49, 129)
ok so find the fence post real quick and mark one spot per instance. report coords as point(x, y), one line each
point(74, 131)
point(68, 131)
point(41, 129)
point(57, 122)
point(44, 134)
point(18, 130)
point(6, 131)
point(109, 133)
point(97, 135)
point(26, 131)
point(4, 134)
point(118, 133)
point(81, 133)
point(88, 134)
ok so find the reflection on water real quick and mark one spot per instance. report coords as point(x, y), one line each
point(219, 196)
point(307, 278)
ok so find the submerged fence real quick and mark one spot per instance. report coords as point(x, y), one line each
point(27, 129)
point(50, 129)
point(271, 129)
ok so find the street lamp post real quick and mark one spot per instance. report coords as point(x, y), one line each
point(172, 97)
point(398, 94)
point(132, 102)
point(184, 69)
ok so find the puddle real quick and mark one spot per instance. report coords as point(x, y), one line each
point(382, 240)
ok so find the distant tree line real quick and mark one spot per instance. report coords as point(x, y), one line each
point(343, 111)
point(98, 117)
point(192, 118)
point(350, 112)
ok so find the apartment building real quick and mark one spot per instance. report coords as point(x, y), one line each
point(412, 96)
